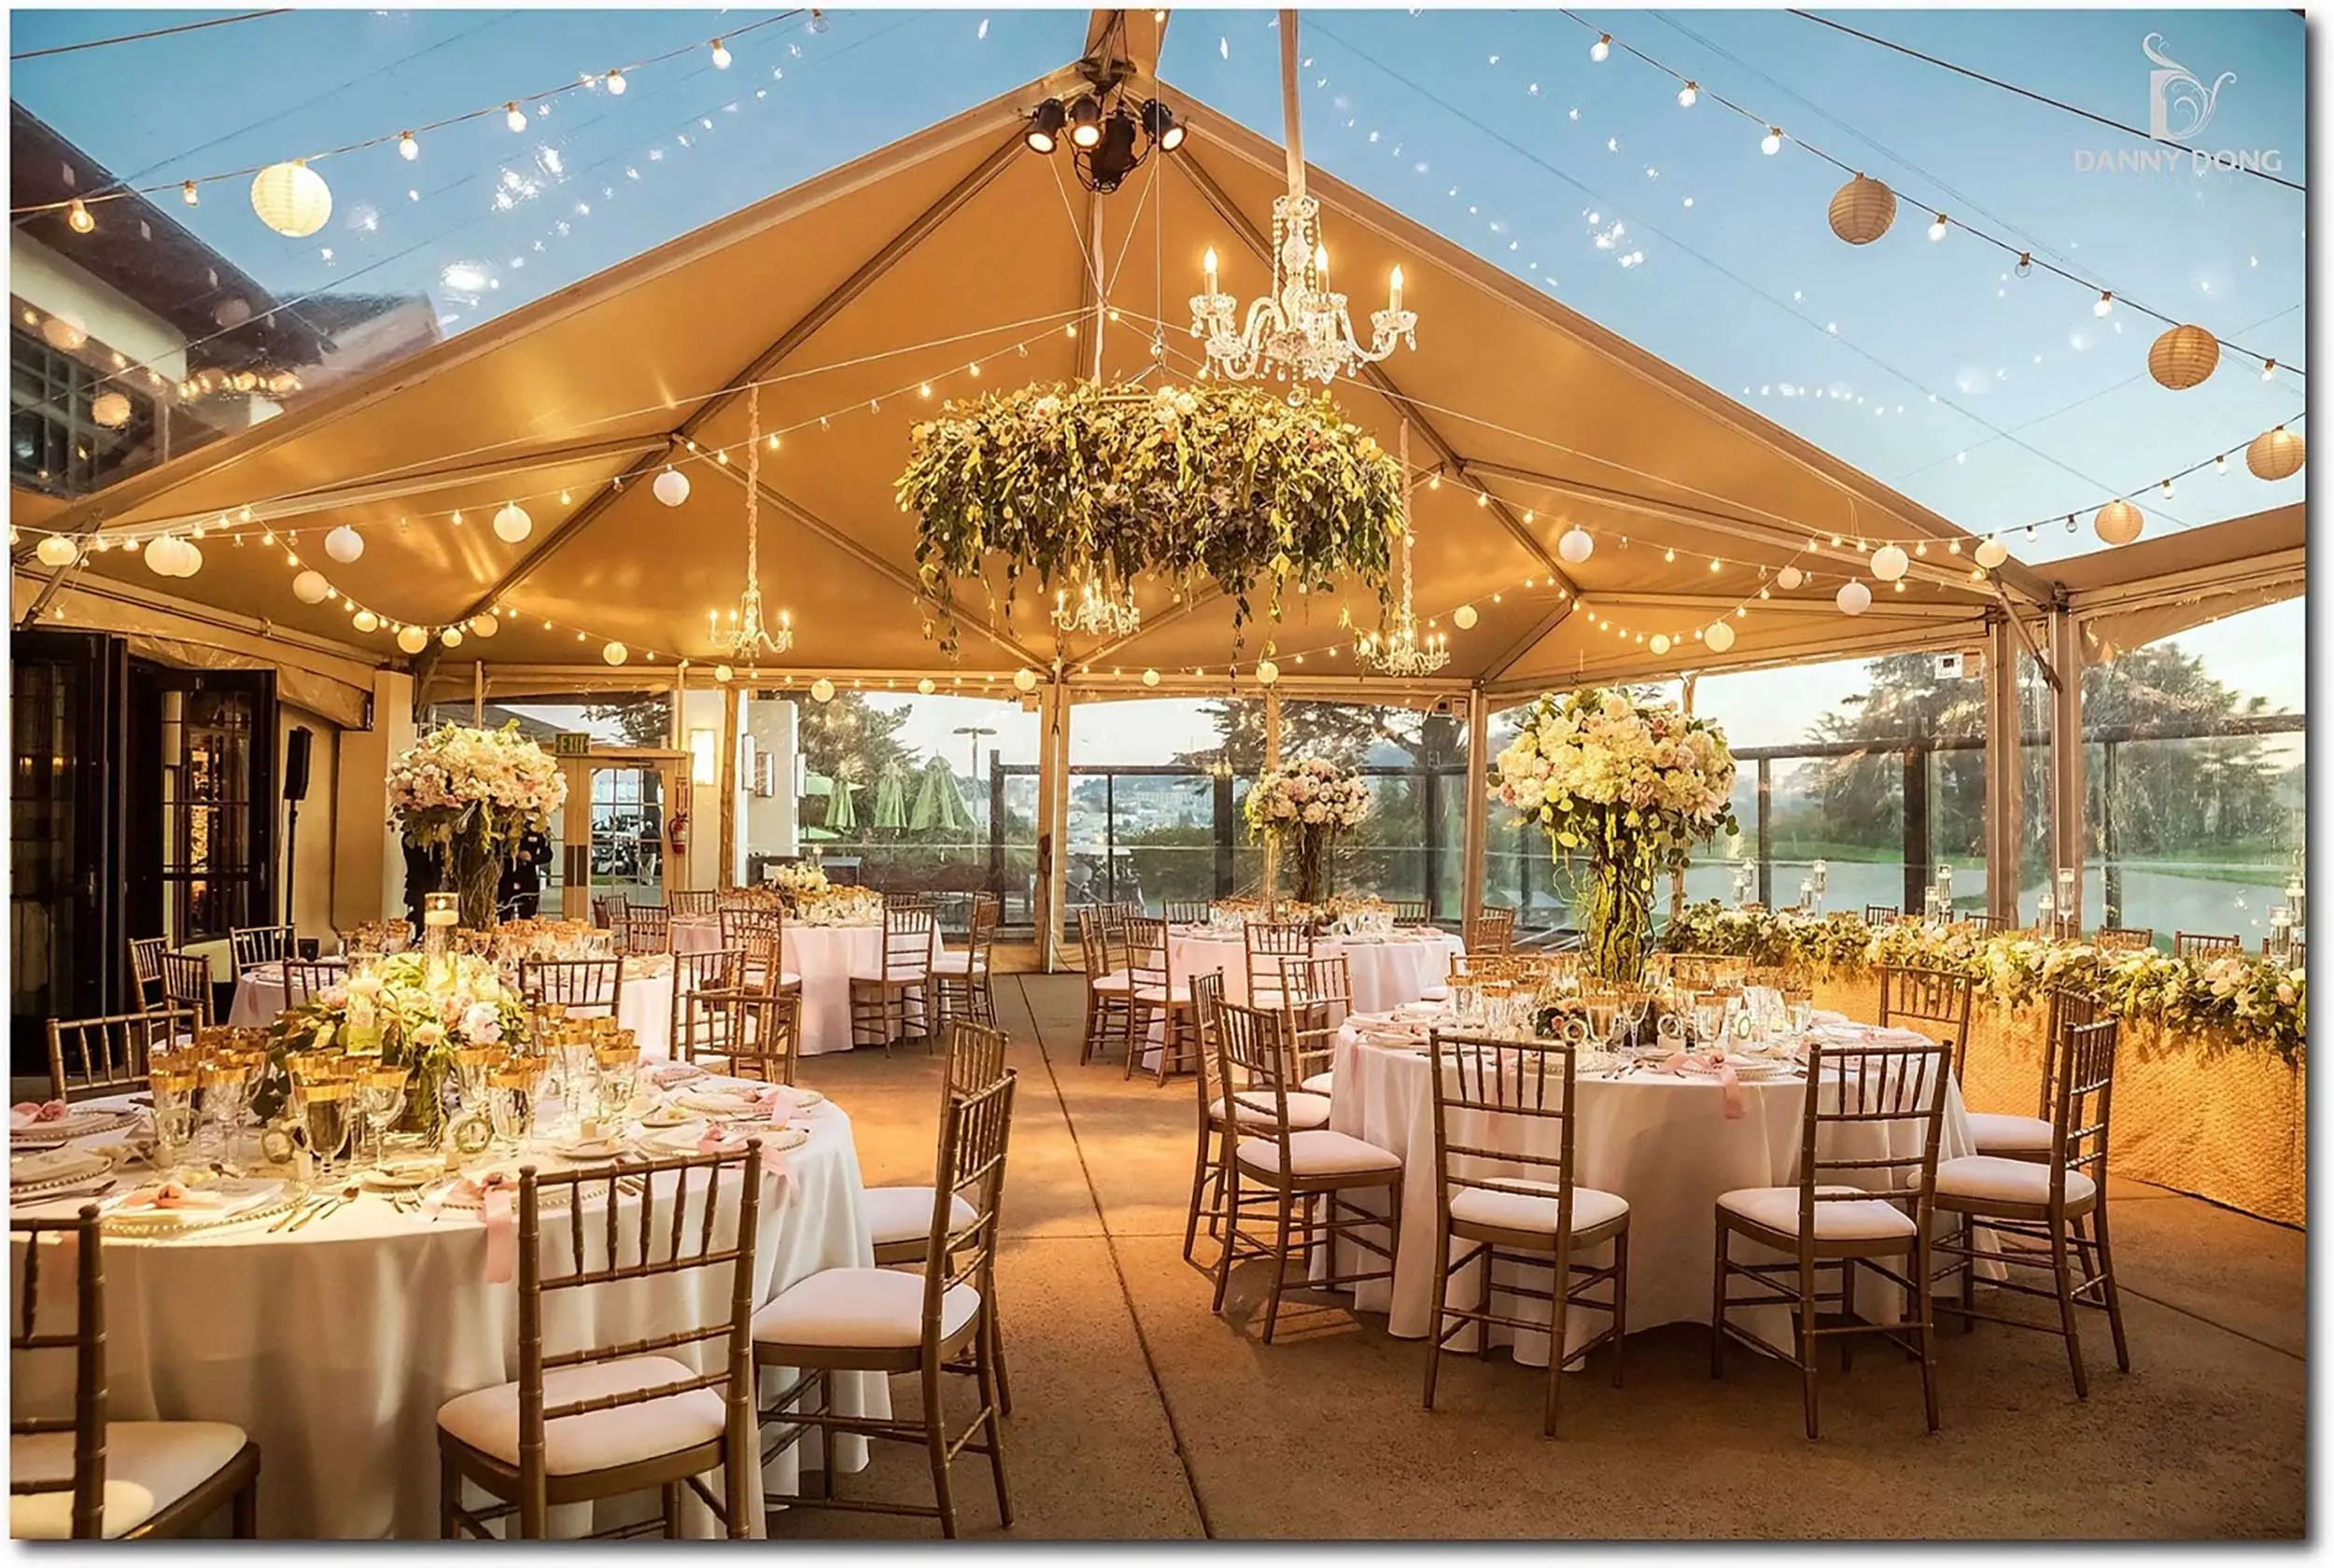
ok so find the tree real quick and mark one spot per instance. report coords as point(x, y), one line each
point(847, 737)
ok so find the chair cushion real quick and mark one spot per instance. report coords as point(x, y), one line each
point(862, 1308)
point(1256, 1110)
point(1178, 996)
point(1117, 982)
point(1518, 1212)
point(1991, 1178)
point(1992, 1132)
point(904, 1213)
point(148, 1467)
point(487, 1418)
point(1434, 993)
point(1318, 1152)
point(1777, 1209)
point(953, 960)
point(897, 978)
point(1320, 1084)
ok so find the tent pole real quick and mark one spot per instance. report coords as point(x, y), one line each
point(2005, 773)
point(2066, 757)
point(1293, 137)
point(1477, 830)
point(1272, 760)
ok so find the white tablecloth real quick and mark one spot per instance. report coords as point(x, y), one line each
point(1664, 1143)
point(826, 956)
point(260, 996)
point(333, 1345)
point(1387, 970)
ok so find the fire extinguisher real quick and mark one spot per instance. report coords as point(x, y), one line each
point(676, 831)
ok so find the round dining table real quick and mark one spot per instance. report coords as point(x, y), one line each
point(1387, 970)
point(644, 1002)
point(826, 957)
point(1668, 1143)
point(334, 1341)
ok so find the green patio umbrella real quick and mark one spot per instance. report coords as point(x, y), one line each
point(938, 803)
point(841, 819)
point(890, 800)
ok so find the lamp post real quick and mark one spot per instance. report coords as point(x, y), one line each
point(975, 734)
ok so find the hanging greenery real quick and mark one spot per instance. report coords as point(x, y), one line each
point(1213, 480)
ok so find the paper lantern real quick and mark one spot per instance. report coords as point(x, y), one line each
point(189, 559)
point(925, 686)
point(1992, 553)
point(484, 624)
point(63, 332)
point(822, 690)
point(411, 638)
point(1150, 678)
point(1861, 210)
point(2276, 454)
point(1576, 545)
point(365, 621)
point(615, 653)
point(291, 198)
point(512, 524)
point(309, 587)
point(1025, 680)
point(722, 673)
point(1660, 643)
point(671, 487)
point(162, 557)
point(1718, 638)
point(1790, 578)
point(345, 544)
point(1464, 618)
point(1267, 672)
point(1890, 561)
point(2183, 357)
point(110, 409)
point(57, 551)
point(2118, 522)
point(451, 637)
point(1853, 597)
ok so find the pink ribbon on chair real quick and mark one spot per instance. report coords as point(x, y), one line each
point(31, 1112)
point(493, 1191)
point(775, 1168)
point(170, 1195)
point(1684, 1064)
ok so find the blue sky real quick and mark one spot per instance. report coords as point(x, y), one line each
point(1995, 399)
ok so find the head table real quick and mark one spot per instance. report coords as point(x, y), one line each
point(825, 957)
point(1663, 1141)
point(333, 1342)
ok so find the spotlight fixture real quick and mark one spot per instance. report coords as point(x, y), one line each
point(1086, 122)
point(1045, 125)
point(1110, 136)
point(1160, 123)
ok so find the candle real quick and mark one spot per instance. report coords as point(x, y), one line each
point(1321, 264)
point(441, 909)
point(1394, 292)
point(1209, 262)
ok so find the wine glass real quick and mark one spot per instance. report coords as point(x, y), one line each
point(381, 1100)
point(170, 1078)
point(326, 1098)
point(513, 1088)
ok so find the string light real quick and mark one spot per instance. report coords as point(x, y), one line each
point(407, 149)
point(1602, 48)
point(721, 55)
point(1772, 143)
point(2106, 303)
point(189, 194)
point(1937, 227)
point(514, 117)
point(615, 84)
point(1687, 95)
point(76, 216)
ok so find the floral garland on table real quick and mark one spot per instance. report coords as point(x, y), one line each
point(411, 1011)
point(1306, 803)
point(2240, 998)
point(839, 907)
point(1632, 785)
point(1091, 484)
point(467, 796)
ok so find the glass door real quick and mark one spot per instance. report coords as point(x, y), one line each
point(614, 829)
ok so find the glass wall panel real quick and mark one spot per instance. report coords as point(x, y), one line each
point(2036, 807)
point(643, 718)
point(1414, 758)
point(2193, 749)
point(1155, 790)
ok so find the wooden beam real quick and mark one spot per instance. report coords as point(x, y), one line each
point(1889, 607)
point(1515, 652)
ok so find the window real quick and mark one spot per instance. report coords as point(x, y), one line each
point(55, 442)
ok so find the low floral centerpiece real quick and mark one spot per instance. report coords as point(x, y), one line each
point(1304, 807)
point(411, 1011)
point(840, 906)
point(796, 880)
point(1630, 786)
point(465, 797)
point(1096, 485)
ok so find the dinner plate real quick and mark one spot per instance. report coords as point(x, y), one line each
point(592, 1153)
point(36, 1174)
point(667, 1116)
point(237, 1200)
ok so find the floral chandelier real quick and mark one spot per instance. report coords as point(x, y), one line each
point(1398, 649)
point(1301, 331)
point(747, 639)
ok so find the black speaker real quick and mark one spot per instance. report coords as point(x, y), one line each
point(296, 745)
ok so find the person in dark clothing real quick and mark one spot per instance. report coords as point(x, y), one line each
point(421, 878)
point(520, 894)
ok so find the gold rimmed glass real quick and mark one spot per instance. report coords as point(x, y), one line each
point(172, 1078)
point(513, 1088)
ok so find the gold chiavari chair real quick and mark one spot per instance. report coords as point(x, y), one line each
point(761, 1033)
point(1109, 991)
point(2058, 1206)
point(694, 902)
point(1304, 1176)
point(883, 1004)
point(1492, 930)
point(1320, 998)
point(2195, 944)
point(1695, 972)
point(1185, 912)
point(1157, 997)
point(960, 975)
point(303, 978)
point(1412, 912)
point(610, 912)
point(586, 988)
point(93, 1057)
point(607, 1420)
point(1504, 1195)
point(648, 928)
point(1935, 1002)
point(1882, 914)
point(2125, 937)
point(146, 969)
point(890, 1322)
point(701, 1018)
point(187, 986)
point(1267, 948)
point(1982, 925)
point(252, 946)
point(909, 900)
point(1849, 1211)
point(1225, 1116)
point(80, 1476)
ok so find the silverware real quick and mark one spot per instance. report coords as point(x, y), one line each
point(298, 1208)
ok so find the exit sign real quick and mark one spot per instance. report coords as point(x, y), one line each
point(571, 743)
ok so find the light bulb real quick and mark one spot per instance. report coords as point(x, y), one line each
point(407, 148)
point(615, 84)
point(2269, 369)
point(2220, 464)
point(1937, 227)
point(365, 621)
point(515, 118)
point(189, 194)
point(1687, 94)
point(721, 55)
point(1601, 49)
point(77, 217)
point(451, 637)
point(1772, 143)
point(2106, 303)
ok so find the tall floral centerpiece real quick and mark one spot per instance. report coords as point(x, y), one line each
point(1631, 786)
point(1303, 806)
point(465, 797)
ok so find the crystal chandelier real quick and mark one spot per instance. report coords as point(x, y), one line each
point(748, 639)
point(1098, 610)
point(1398, 649)
point(1301, 329)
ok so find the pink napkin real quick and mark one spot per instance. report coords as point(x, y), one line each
point(31, 1112)
point(493, 1190)
point(774, 1164)
point(1681, 1064)
point(171, 1194)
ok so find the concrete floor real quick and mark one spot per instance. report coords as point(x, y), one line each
point(1140, 1415)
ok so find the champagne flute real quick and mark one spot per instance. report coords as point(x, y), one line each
point(172, 1078)
point(325, 1102)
